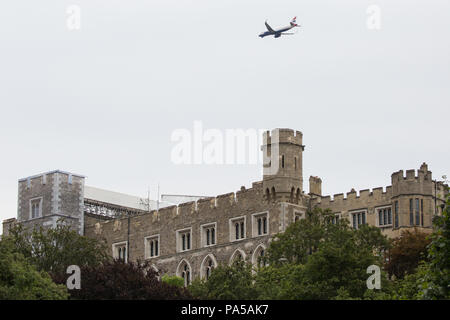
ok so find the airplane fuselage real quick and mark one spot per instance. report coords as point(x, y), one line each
point(276, 33)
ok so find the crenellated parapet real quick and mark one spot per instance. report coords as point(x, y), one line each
point(282, 136)
point(420, 183)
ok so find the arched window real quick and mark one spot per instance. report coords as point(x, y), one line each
point(297, 196)
point(292, 194)
point(267, 194)
point(274, 196)
point(207, 266)
point(238, 255)
point(258, 256)
point(184, 271)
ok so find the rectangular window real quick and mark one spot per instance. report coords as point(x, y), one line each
point(411, 212)
point(237, 228)
point(152, 246)
point(120, 251)
point(260, 224)
point(421, 211)
point(184, 241)
point(417, 212)
point(208, 234)
point(396, 214)
point(35, 208)
point(384, 216)
point(359, 218)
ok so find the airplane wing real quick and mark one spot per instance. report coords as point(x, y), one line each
point(268, 27)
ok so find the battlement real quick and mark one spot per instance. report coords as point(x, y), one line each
point(284, 136)
point(223, 202)
point(42, 177)
point(365, 195)
point(423, 174)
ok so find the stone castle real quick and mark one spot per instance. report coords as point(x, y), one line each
point(191, 238)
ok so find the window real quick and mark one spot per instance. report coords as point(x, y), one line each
point(396, 214)
point(417, 212)
point(152, 246)
point(184, 239)
point(384, 217)
point(335, 219)
point(208, 234)
point(184, 271)
point(298, 215)
point(207, 266)
point(237, 228)
point(411, 212)
point(421, 211)
point(237, 255)
point(282, 161)
point(120, 251)
point(258, 256)
point(358, 219)
point(35, 208)
point(260, 224)
point(295, 163)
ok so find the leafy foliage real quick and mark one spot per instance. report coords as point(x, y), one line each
point(226, 283)
point(19, 279)
point(173, 280)
point(53, 250)
point(435, 283)
point(406, 253)
point(117, 280)
point(312, 259)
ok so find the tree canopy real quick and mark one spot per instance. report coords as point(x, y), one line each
point(20, 280)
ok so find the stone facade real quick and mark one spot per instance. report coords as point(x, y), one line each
point(191, 238)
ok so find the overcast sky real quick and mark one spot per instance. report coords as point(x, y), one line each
point(103, 100)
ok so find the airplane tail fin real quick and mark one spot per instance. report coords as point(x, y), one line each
point(294, 22)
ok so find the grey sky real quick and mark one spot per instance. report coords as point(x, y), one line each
point(104, 100)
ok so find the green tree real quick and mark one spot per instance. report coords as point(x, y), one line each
point(173, 280)
point(226, 283)
point(19, 279)
point(299, 240)
point(54, 249)
point(435, 283)
point(332, 258)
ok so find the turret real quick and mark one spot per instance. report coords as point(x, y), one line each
point(283, 165)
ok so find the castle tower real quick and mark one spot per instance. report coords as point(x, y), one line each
point(283, 165)
point(413, 197)
point(47, 198)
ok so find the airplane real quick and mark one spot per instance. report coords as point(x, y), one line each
point(278, 32)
